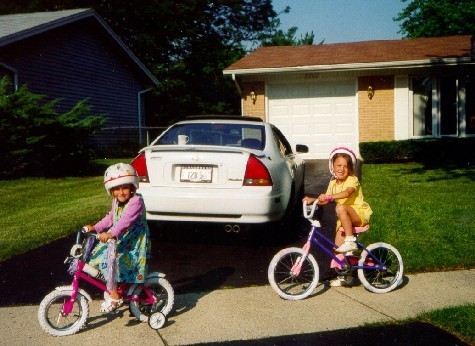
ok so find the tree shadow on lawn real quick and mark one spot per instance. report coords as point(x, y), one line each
point(413, 333)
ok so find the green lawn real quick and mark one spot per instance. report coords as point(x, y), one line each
point(38, 211)
point(428, 215)
point(458, 320)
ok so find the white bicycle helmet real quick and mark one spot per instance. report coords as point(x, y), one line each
point(120, 174)
point(341, 150)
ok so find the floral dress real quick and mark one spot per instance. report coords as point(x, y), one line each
point(128, 223)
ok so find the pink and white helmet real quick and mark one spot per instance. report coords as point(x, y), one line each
point(120, 174)
point(341, 150)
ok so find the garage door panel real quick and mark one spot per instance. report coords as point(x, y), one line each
point(300, 130)
point(322, 109)
point(323, 128)
point(345, 108)
point(321, 115)
point(344, 128)
point(302, 110)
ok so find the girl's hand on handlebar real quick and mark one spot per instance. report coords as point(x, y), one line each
point(324, 199)
point(88, 228)
point(104, 237)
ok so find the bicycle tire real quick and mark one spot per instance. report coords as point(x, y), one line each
point(164, 293)
point(379, 281)
point(51, 319)
point(287, 285)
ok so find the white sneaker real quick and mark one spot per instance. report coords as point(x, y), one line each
point(347, 246)
point(342, 281)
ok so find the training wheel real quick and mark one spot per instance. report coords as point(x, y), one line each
point(157, 320)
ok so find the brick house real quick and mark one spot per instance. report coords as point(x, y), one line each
point(73, 55)
point(343, 94)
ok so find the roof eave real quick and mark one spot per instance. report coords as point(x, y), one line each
point(355, 66)
point(73, 18)
point(39, 29)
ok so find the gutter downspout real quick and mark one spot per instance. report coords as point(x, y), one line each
point(139, 113)
point(236, 82)
point(15, 75)
point(239, 89)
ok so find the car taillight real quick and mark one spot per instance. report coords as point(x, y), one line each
point(140, 165)
point(256, 173)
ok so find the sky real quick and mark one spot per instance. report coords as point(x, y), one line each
point(338, 21)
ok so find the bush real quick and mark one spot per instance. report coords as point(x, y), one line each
point(434, 152)
point(37, 141)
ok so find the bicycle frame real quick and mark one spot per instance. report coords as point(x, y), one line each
point(122, 289)
point(316, 237)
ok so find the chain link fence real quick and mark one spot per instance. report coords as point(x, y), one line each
point(124, 141)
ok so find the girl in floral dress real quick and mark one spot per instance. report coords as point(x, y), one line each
point(127, 259)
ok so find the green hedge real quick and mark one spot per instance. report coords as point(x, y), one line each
point(430, 152)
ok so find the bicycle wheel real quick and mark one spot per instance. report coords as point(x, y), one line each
point(163, 292)
point(51, 319)
point(379, 281)
point(288, 285)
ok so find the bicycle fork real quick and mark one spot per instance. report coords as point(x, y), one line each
point(69, 304)
point(297, 267)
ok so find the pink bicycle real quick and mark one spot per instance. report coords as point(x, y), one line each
point(65, 310)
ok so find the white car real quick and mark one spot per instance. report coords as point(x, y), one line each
point(221, 169)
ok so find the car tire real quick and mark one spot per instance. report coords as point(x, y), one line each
point(289, 225)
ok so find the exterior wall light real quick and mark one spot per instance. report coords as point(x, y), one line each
point(253, 96)
point(370, 92)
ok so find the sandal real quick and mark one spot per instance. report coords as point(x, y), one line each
point(108, 306)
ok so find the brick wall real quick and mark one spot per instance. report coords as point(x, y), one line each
point(376, 115)
point(255, 107)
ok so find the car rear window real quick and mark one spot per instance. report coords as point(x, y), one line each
point(218, 134)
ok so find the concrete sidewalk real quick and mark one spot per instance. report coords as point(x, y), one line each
point(252, 313)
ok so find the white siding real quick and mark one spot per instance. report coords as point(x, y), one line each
point(402, 120)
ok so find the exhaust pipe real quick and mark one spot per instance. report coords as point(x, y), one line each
point(232, 228)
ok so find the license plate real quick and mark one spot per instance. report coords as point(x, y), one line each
point(196, 174)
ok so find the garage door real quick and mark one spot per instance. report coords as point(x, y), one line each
point(321, 115)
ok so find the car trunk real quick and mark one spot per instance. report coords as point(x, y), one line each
point(197, 166)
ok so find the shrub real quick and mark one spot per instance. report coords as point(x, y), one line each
point(38, 141)
point(434, 152)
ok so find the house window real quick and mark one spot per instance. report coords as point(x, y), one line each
point(470, 104)
point(422, 101)
point(443, 105)
point(448, 106)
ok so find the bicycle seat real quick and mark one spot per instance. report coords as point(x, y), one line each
point(356, 229)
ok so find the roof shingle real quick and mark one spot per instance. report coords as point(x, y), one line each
point(435, 48)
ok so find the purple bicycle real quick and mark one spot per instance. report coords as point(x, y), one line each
point(65, 310)
point(293, 272)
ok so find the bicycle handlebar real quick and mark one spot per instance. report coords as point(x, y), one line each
point(308, 211)
point(85, 231)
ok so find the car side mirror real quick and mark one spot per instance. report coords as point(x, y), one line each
point(301, 148)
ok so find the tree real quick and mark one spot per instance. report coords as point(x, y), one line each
point(431, 18)
point(280, 38)
point(276, 37)
point(187, 44)
point(36, 140)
